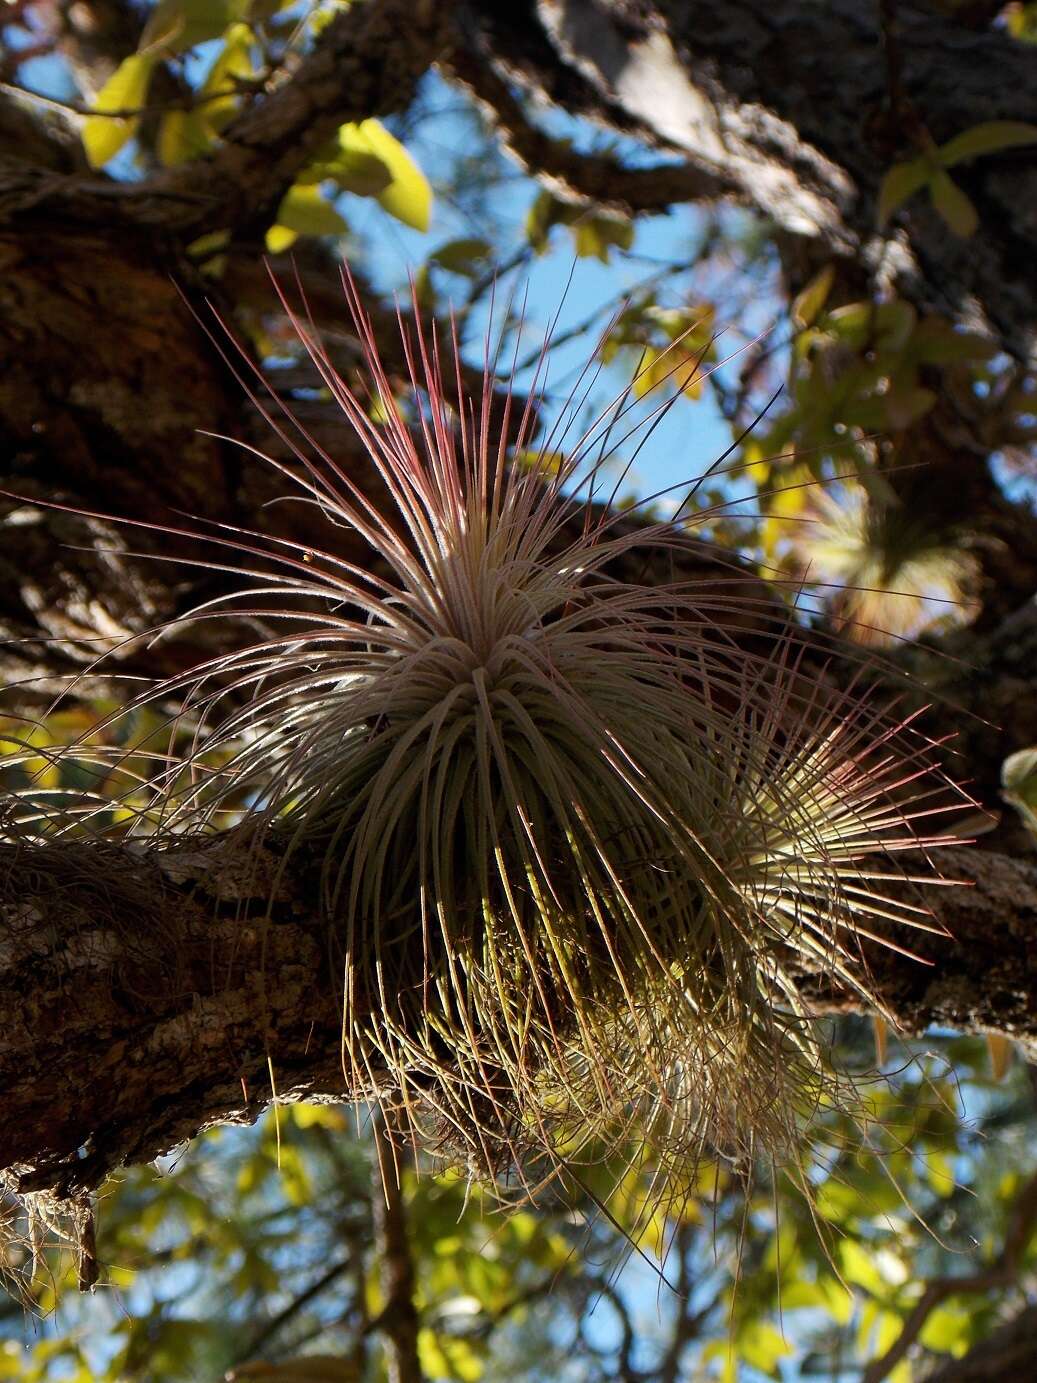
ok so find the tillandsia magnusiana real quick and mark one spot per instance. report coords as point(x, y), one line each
point(575, 833)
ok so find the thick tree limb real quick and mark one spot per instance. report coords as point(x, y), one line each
point(366, 63)
point(151, 993)
point(791, 103)
point(597, 178)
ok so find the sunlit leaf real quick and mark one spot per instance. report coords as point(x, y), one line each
point(234, 64)
point(125, 90)
point(406, 194)
point(859, 1267)
point(809, 302)
point(183, 135)
point(303, 211)
point(761, 1346)
point(947, 1329)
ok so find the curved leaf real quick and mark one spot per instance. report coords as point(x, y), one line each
point(125, 90)
point(407, 195)
point(991, 137)
point(953, 205)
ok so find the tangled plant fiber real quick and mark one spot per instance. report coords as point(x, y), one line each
point(574, 837)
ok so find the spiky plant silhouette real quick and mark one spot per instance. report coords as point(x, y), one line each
point(574, 835)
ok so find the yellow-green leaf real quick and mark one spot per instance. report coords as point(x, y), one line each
point(594, 236)
point(182, 135)
point(407, 195)
point(939, 1173)
point(901, 182)
point(1000, 1049)
point(953, 205)
point(807, 304)
point(235, 60)
point(1019, 784)
point(463, 256)
point(991, 137)
point(174, 26)
point(859, 1267)
point(307, 212)
point(125, 90)
point(279, 238)
point(363, 174)
point(947, 1329)
point(761, 1346)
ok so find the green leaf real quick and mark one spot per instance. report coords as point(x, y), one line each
point(948, 1330)
point(938, 343)
point(901, 182)
point(808, 303)
point(885, 326)
point(462, 256)
point(1019, 784)
point(183, 135)
point(174, 26)
point(594, 236)
point(953, 205)
point(991, 137)
point(125, 90)
point(304, 211)
point(761, 1346)
point(407, 194)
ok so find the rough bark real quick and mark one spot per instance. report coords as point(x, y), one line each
point(150, 994)
point(792, 104)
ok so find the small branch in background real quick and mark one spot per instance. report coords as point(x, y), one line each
point(398, 1320)
point(1001, 1272)
point(574, 176)
point(297, 1304)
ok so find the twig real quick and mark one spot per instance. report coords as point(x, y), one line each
point(398, 1321)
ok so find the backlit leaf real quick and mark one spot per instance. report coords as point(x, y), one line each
point(407, 194)
point(125, 90)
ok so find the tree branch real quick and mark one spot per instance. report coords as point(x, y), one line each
point(366, 63)
point(1000, 1273)
point(576, 177)
point(148, 991)
point(398, 1320)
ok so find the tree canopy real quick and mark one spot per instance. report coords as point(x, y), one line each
point(791, 247)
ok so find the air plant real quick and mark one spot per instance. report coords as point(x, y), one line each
point(574, 836)
point(896, 575)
